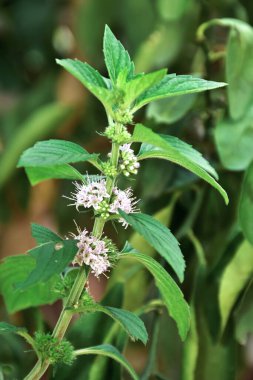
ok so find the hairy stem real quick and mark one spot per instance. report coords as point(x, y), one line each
point(78, 286)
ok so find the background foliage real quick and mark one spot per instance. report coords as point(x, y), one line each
point(39, 100)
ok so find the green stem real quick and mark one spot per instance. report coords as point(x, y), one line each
point(78, 286)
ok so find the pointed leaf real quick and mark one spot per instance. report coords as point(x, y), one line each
point(246, 205)
point(174, 150)
point(54, 152)
point(111, 352)
point(89, 77)
point(173, 85)
point(171, 294)
point(130, 322)
point(44, 235)
point(51, 258)
point(159, 237)
point(16, 269)
point(117, 58)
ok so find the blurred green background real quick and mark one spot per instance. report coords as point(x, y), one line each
point(39, 101)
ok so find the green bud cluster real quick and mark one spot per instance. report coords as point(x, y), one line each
point(50, 348)
point(113, 252)
point(103, 209)
point(117, 133)
point(87, 300)
point(123, 116)
point(109, 169)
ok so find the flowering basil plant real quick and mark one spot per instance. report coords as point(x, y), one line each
point(59, 267)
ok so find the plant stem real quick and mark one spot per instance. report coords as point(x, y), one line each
point(78, 286)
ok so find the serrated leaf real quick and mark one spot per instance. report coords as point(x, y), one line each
point(54, 152)
point(51, 258)
point(43, 234)
point(174, 85)
point(89, 77)
point(16, 269)
point(130, 322)
point(159, 237)
point(171, 294)
point(234, 141)
point(117, 59)
point(174, 150)
point(111, 352)
point(234, 278)
point(40, 174)
point(246, 205)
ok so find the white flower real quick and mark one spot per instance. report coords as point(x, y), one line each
point(90, 194)
point(92, 252)
point(124, 200)
point(128, 161)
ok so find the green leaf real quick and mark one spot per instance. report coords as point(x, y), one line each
point(246, 205)
point(44, 235)
point(244, 317)
point(16, 269)
point(159, 237)
point(89, 77)
point(173, 85)
point(111, 352)
point(239, 60)
point(173, 149)
point(51, 258)
point(234, 141)
point(42, 122)
point(7, 328)
point(54, 152)
point(234, 278)
point(171, 294)
point(117, 59)
point(130, 322)
point(40, 174)
point(170, 110)
point(141, 83)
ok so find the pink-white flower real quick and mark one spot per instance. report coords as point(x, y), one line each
point(124, 200)
point(92, 252)
point(90, 194)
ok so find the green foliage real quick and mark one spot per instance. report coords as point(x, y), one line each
point(43, 173)
point(130, 322)
point(117, 59)
point(50, 259)
point(40, 124)
point(159, 237)
point(43, 234)
point(234, 278)
point(173, 85)
point(7, 328)
point(111, 352)
point(170, 110)
point(171, 294)
point(53, 152)
point(50, 348)
point(16, 269)
point(233, 139)
point(246, 205)
point(174, 150)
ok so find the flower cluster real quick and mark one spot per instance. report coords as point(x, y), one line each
point(117, 133)
point(128, 161)
point(93, 252)
point(94, 194)
point(90, 194)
